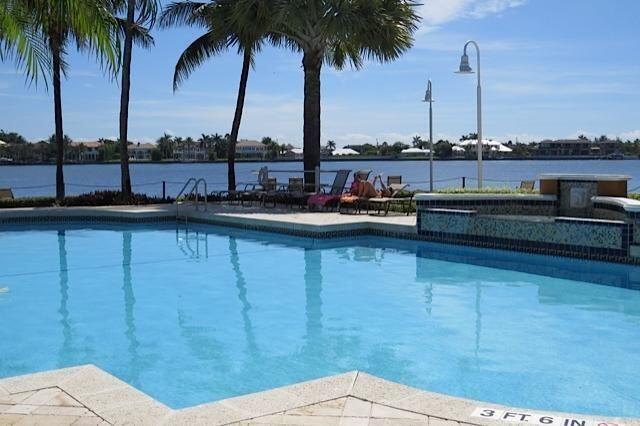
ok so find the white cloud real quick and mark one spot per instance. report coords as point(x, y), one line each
point(630, 135)
point(481, 9)
point(437, 12)
point(519, 137)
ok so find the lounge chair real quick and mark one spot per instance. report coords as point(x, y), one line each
point(6, 194)
point(528, 185)
point(394, 184)
point(384, 203)
point(394, 180)
point(259, 192)
point(243, 191)
point(294, 193)
point(331, 199)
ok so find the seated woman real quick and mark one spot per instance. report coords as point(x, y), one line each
point(355, 185)
point(368, 190)
point(361, 188)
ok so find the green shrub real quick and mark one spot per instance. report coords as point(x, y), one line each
point(27, 202)
point(635, 196)
point(97, 198)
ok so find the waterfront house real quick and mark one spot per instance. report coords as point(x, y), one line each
point(189, 150)
point(249, 149)
point(294, 152)
point(141, 152)
point(457, 151)
point(572, 147)
point(83, 152)
point(414, 152)
point(339, 152)
point(565, 147)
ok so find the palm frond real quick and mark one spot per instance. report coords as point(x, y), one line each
point(345, 31)
point(141, 35)
point(185, 13)
point(92, 26)
point(201, 49)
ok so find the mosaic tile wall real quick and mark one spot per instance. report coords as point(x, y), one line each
point(576, 237)
point(608, 213)
point(560, 232)
point(505, 207)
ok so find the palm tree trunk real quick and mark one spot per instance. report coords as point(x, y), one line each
point(312, 63)
point(237, 118)
point(57, 106)
point(125, 177)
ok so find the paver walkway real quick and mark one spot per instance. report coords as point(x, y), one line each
point(348, 411)
point(49, 406)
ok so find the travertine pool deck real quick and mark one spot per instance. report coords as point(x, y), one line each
point(268, 219)
point(86, 395)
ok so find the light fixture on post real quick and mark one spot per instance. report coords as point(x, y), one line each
point(465, 68)
point(428, 97)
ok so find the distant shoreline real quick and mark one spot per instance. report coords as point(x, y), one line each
point(348, 159)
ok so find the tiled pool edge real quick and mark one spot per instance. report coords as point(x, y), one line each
point(242, 220)
point(120, 403)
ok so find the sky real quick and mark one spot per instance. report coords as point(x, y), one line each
point(549, 68)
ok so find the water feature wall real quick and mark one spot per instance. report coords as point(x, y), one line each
point(571, 217)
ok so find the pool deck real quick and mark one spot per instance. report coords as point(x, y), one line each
point(87, 395)
point(267, 219)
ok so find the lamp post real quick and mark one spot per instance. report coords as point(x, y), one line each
point(428, 97)
point(465, 68)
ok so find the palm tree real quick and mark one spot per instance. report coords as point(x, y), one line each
point(337, 33)
point(417, 141)
point(165, 145)
point(134, 28)
point(242, 24)
point(59, 22)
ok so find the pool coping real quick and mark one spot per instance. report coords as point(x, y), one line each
point(349, 225)
point(120, 403)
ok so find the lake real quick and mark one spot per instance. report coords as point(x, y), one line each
point(147, 178)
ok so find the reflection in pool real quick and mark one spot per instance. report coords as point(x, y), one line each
point(199, 314)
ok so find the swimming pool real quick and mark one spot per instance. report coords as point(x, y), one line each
point(200, 314)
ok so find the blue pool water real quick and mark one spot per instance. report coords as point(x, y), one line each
point(196, 315)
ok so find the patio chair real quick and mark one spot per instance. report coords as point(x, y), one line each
point(384, 203)
point(259, 192)
point(352, 203)
point(528, 185)
point(294, 193)
point(6, 194)
point(394, 180)
point(331, 199)
point(237, 195)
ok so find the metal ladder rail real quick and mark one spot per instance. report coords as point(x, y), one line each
point(178, 202)
point(194, 188)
